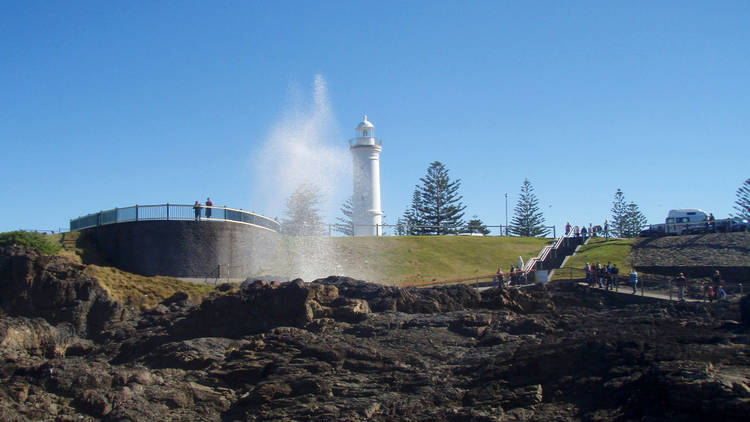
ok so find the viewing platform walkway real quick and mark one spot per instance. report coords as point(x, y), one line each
point(173, 212)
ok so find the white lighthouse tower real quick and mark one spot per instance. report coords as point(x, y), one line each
point(366, 213)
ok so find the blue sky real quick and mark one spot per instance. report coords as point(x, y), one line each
point(113, 104)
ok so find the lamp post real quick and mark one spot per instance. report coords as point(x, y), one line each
point(506, 214)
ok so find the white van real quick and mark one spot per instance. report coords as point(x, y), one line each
point(686, 220)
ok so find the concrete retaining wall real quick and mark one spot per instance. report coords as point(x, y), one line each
point(185, 248)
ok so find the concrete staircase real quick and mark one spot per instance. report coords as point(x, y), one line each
point(552, 256)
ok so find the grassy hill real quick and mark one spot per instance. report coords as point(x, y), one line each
point(617, 251)
point(696, 255)
point(400, 260)
point(394, 260)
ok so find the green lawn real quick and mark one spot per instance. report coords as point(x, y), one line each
point(598, 250)
point(401, 260)
point(394, 260)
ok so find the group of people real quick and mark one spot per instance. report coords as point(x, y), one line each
point(197, 209)
point(605, 276)
point(714, 289)
point(515, 276)
point(592, 231)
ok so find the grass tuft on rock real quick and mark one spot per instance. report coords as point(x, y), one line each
point(145, 292)
point(33, 240)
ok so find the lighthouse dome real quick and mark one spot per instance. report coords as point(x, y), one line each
point(364, 124)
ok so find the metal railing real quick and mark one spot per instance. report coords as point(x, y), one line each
point(544, 253)
point(420, 230)
point(172, 212)
point(512, 279)
point(365, 141)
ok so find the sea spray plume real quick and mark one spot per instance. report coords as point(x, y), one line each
point(303, 216)
point(303, 149)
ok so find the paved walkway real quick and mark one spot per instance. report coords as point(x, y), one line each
point(652, 294)
point(621, 291)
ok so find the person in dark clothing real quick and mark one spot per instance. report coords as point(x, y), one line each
point(600, 272)
point(716, 278)
point(500, 277)
point(615, 272)
point(209, 204)
point(197, 209)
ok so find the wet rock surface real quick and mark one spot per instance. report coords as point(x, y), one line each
point(342, 349)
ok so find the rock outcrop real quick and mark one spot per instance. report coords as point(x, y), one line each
point(343, 349)
point(55, 289)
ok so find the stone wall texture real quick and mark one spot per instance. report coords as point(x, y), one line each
point(185, 248)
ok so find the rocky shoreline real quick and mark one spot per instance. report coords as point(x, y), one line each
point(342, 349)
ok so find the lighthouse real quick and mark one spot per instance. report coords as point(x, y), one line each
point(367, 216)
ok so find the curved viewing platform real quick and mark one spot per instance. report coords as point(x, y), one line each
point(176, 212)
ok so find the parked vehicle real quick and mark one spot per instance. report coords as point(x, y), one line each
point(731, 225)
point(686, 220)
point(653, 230)
point(693, 221)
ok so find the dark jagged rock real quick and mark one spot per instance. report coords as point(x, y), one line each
point(745, 310)
point(343, 349)
point(55, 289)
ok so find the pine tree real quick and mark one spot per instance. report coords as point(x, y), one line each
point(742, 204)
point(345, 224)
point(634, 221)
point(528, 219)
point(619, 214)
point(413, 219)
point(475, 225)
point(441, 205)
point(401, 227)
point(302, 210)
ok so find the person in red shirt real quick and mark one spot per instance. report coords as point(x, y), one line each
point(209, 204)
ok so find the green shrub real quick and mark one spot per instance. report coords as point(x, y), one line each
point(37, 241)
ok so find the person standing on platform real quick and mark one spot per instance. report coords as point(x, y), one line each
point(197, 209)
point(634, 279)
point(209, 204)
point(681, 283)
point(609, 272)
point(606, 230)
point(600, 272)
point(500, 277)
point(716, 280)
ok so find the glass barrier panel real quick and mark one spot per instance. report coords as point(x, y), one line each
point(171, 212)
point(108, 217)
point(126, 214)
